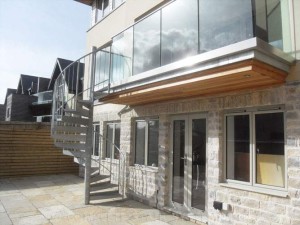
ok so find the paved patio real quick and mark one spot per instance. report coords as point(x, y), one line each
point(58, 200)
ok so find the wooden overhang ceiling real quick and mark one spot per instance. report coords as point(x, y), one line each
point(86, 2)
point(248, 74)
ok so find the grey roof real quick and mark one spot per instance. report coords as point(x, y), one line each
point(25, 83)
point(70, 75)
point(43, 84)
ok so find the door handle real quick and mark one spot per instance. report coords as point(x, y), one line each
point(185, 159)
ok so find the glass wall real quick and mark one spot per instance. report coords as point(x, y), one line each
point(122, 49)
point(147, 44)
point(272, 23)
point(224, 22)
point(188, 27)
point(102, 68)
point(180, 35)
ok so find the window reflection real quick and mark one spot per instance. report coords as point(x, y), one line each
point(102, 68)
point(122, 48)
point(147, 44)
point(224, 22)
point(179, 30)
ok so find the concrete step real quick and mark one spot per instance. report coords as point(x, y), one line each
point(77, 154)
point(78, 146)
point(69, 137)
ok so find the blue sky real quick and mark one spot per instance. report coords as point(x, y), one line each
point(33, 33)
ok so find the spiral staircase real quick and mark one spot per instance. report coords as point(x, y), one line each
point(72, 120)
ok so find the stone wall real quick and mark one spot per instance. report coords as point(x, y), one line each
point(246, 207)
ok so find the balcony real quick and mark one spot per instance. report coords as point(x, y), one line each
point(197, 48)
point(43, 98)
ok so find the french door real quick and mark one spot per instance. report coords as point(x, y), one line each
point(189, 162)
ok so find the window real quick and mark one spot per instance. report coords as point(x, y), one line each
point(255, 148)
point(8, 113)
point(96, 144)
point(101, 8)
point(112, 140)
point(146, 142)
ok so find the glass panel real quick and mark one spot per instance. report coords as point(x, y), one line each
point(238, 147)
point(198, 163)
point(147, 44)
point(102, 68)
point(224, 22)
point(272, 23)
point(109, 139)
point(117, 140)
point(178, 161)
point(140, 142)
point(153, 143)
point(122, 48)
point(179, 30)
point(106, 7)
point(269, 134)
point(117, 3)
point(96, 140)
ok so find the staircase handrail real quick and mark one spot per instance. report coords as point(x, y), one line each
point(121, 153)
point(91, 85)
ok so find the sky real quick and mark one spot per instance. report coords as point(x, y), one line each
point(33, 33)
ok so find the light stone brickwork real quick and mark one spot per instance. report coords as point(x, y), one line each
point(246, 207)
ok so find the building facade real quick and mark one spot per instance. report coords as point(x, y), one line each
point(202, 99)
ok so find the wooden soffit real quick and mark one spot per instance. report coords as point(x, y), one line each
point(249, 74)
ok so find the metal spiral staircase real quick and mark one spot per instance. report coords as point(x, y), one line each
point(72, 117)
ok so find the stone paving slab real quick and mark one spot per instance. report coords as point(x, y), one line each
point(58, 200)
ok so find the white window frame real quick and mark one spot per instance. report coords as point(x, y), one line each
point(94, 138)
point(112, 151)
point(252, 185)
point(8, 112)
point(146, 120)
point(96, 17)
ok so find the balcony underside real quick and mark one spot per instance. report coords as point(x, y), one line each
point(245, 75)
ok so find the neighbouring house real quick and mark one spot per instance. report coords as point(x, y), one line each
point(41, 109)
point(32, 100)
point(2, 112)
point(190, 106)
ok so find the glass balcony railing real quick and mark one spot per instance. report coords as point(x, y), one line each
point(186, 28)
point(43, 97)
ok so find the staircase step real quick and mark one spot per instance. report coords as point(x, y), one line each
point(60, 128)
point(79, 111)
point(98, 95)
point(101, 188)
point(106, 199)
point(69, 137)
point(70, 146)
point(75, 120)
point(86, 103)
point(77, 154)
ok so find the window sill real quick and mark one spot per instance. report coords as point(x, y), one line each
point(276, 193)
point(145, 168)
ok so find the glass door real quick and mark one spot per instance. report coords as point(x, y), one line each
point(189, 162)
